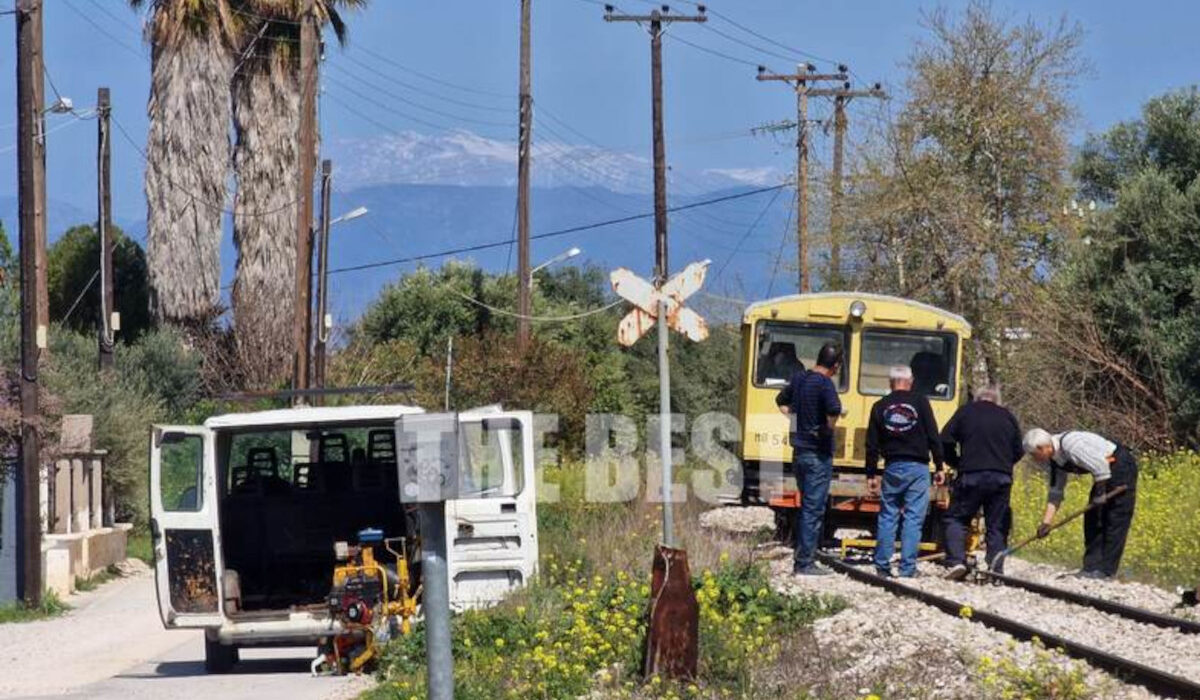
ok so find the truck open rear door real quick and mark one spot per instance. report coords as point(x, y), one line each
point(491, 530)
point(184, 526)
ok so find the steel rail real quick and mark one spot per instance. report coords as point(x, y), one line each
point(1108, 606)
point(1154, 680)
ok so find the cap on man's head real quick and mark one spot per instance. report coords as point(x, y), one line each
point(900, 373)
point(830, 355)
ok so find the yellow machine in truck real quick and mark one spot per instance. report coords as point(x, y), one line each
point(875, 332)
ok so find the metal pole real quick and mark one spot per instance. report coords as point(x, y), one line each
point(525, 139)
point(664, 430)
point(31, 179)
point(307, 137)
point(661, 269)
point(449, 367)
point(104, 227)
point(435, 602)
point(802, 175)
point(323, 275)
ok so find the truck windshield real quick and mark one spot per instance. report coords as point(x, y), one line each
point(931, 356)
point(783, 346)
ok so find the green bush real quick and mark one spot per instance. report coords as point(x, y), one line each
point(155, 381)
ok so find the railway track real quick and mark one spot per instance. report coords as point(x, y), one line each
point(1155, 680)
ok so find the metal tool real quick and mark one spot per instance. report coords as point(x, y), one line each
point(1098, 502)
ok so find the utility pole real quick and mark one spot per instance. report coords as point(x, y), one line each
point(322, 276)
point(800, 81)
point(841, 97)
point(31, 195)
point(104, 227)
point(524, 144)
point(656, 20)
point(307, 137)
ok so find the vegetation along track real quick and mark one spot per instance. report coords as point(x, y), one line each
point(1157, 681)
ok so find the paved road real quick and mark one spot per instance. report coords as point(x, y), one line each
point(112, 645)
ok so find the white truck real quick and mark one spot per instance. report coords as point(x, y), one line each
point(246, 510)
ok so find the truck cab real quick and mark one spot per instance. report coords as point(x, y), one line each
point(247, 510)
point(875, 332)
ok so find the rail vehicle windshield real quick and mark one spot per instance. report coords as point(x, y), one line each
point(783, 346)
point(931, 355)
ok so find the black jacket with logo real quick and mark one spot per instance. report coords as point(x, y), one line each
point(902, 429)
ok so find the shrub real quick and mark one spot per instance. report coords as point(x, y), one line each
point(1048, 677)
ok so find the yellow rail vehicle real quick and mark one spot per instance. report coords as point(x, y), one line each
point(875, 332)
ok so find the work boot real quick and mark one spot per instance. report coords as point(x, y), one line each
point(957, 572)
point(884, 573)
point(811, 570)
point(1090, 575)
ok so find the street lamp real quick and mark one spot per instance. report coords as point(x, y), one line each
point(350, 215)
point(565, 255)
point(324, 319)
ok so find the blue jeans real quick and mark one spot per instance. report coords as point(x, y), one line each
point(905, 489)
point(813, 473)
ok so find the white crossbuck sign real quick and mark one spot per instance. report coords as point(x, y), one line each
point(648, 301)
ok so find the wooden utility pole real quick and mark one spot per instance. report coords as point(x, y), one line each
point(800, 81)
point(307, 137)
point(524, 144)
point(656, 20)
point(841, 97)
point(31, 195)
point(104, 227)
point(323, 275)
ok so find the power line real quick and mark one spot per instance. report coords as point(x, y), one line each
point(540, 319)
point(431, 78)
point(418, 105)
point(560, 232)
point(749, 231)
point(70, 6)
point(416, 88)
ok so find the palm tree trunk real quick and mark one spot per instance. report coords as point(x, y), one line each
point(266, 103)
point(187, 164)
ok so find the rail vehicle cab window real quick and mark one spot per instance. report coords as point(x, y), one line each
point(491, 448)
point(181, 471)
point(783, 346)
point(930, 355)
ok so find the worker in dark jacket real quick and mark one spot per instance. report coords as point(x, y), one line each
point(902, 428)
point(811, 402)
point(1111, 465)
point(982, 443)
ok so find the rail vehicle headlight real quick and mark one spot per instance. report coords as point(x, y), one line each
point(858, 309)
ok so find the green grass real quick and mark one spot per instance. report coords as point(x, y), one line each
point(97, 579)
point(139, 546)
point(50, 607)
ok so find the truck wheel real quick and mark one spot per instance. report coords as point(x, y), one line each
point(218, 657)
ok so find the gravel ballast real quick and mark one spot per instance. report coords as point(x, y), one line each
point(908, 649)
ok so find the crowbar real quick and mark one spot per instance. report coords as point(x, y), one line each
point(1098, 502)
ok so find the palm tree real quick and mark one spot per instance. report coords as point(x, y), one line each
point(187, 154)
point(266, 114)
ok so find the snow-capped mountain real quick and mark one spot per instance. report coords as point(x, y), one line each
point(467, 159)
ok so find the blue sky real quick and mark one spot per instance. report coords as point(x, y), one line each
point(590, 74)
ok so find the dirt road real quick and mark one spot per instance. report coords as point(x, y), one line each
point(112, 645)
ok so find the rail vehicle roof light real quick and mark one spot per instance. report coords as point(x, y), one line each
point(858, 309)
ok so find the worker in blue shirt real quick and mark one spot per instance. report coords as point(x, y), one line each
point(810, 400)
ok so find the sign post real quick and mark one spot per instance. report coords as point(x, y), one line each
point(672, 643)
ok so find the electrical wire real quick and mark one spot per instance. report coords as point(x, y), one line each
point(749, 231)
point(539, 319)
point(70, 6)
point(552, 234)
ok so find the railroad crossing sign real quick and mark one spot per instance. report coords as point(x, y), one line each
point(648, 301)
